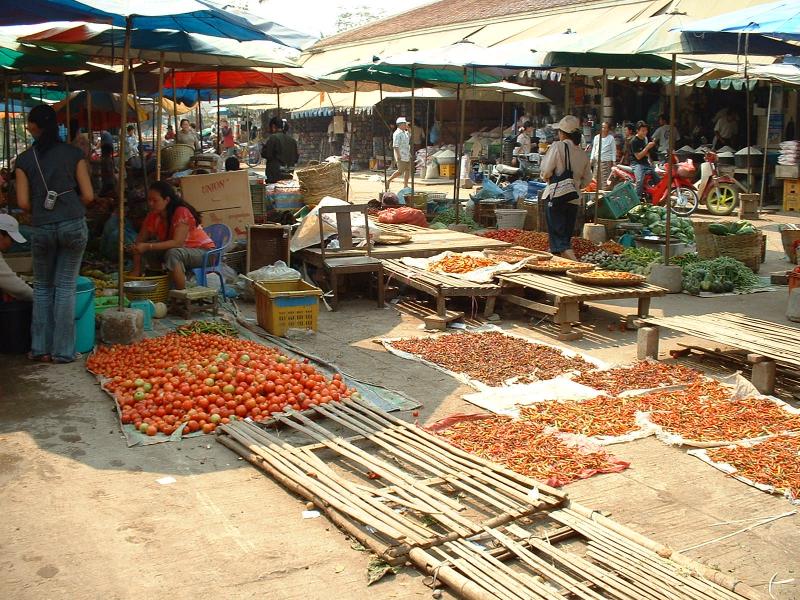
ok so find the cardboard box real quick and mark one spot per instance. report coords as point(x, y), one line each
point(221, 198)
point(787, 171)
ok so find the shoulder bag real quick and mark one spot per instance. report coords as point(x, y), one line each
point(561, 188)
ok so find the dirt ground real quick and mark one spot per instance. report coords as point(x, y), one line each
point(86, 517)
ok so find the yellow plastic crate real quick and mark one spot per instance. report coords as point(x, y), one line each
point(791, 187)
point(280, 309)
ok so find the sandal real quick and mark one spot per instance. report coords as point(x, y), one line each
point(46, 358)
point(64, 361)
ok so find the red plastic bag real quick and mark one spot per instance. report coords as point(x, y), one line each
point(403, 215)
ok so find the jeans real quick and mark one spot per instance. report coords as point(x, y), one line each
point(560, 225)
point(57, 252)
point(640, 171)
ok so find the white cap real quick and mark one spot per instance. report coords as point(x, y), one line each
point(11, 227)
point(568, 124)
point(401, 120)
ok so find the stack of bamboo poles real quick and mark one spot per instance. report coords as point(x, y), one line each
point(775, 341)
point(482, 530)
point(428, 510)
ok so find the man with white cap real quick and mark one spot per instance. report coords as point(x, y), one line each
point(10, 284)
point(401, 144)
point(565, 167)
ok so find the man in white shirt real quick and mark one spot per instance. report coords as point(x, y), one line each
point(132, 148)
point(661, 136)
point(725, 129)
point(401, 144)
point(10, 283)
point(604, 144)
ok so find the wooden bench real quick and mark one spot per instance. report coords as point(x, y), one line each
point(441, 287)
point(567, 296)
point(765, 343)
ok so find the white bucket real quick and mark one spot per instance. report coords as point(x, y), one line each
point(510, 218)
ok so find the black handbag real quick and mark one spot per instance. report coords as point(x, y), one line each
point(561, 188)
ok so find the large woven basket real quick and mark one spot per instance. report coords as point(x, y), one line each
point(177, 157)
point(161, 293)
point(318, 181)
point(788, 238)
point(745, 248)
point(704, 240)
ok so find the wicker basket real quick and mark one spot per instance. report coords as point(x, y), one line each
point(788, 238)
point(177, 157)
point(745, 248)
point(318, 181)
point(161, 293)
point(705, 241)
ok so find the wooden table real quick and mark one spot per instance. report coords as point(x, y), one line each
point(567, 296)
point(424, 243)
point(441, 287)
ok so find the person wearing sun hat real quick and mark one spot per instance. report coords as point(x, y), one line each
point(401, 144)
point(566, 170)
point(10, 283)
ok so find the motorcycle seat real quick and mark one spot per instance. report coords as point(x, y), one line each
point(506, 170)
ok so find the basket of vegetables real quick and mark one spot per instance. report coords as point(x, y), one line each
point(739, 240)
point(654, 219)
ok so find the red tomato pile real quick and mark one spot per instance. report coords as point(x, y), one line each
point(204, 380)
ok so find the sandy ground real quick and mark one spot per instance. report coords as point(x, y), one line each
point(86, 517)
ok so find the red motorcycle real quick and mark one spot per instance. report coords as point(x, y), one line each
point(719, 192)
point(683, 198)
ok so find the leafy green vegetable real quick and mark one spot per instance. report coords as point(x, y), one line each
point(446, 217)
point(723, 274)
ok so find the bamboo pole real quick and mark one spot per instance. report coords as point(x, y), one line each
point(159, 110)
point(766, 145)
point(352, 138)
point(138, 125)
point(89, 109)
point(748, 109)
point(460, 145)
point(67, 108)
point(219, 131)
point(670, 165)
point(567, 90)
point(455, 179)
point(121, 207)
point(174, 102)
point(413, 125)
point(7, 125)
point(598, 159)
point(383, 141)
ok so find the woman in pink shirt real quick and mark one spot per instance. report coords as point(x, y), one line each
point(172, 234)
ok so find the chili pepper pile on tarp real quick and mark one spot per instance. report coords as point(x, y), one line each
point(492, 357)
point(774, 462)
point(726, 420)
point(642, 375)
point(525, 449)
point(460, 263)
point(599, 416)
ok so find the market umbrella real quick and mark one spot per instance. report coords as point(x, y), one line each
point(192, 16)
point(175, 48)
point(775, 19)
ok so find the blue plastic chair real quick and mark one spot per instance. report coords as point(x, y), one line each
point(221, 235)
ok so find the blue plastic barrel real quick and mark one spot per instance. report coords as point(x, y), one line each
point(84, 315)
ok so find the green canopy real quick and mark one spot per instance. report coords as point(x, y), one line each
point(25, 59)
